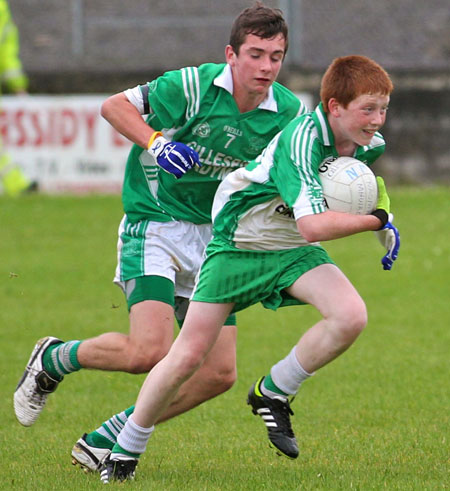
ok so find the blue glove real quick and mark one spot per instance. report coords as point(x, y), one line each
point(389, 238)
point(174, 157)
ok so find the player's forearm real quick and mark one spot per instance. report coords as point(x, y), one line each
point(125, 118)
point(334, 225)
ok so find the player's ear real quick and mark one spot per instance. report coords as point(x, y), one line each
point(333, 107)
point(229, 54)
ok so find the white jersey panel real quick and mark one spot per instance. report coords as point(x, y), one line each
point(241, 178)
point(268, 226)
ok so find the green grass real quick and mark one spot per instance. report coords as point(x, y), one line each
point(376, 418)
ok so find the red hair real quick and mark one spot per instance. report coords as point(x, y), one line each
point(348, 77)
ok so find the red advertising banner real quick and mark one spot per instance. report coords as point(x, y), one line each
point(63, 142)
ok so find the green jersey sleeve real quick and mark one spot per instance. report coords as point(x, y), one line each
point(295, 168)
point(173, 98)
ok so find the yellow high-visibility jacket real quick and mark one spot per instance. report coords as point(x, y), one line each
point(12, 76)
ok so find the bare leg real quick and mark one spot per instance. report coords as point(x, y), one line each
point(216, 375)
point(200, 331)
point(344, 315)
point(150, 337)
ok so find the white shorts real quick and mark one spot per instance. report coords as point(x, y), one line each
point(173, 250)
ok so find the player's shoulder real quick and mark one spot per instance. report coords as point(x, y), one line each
point(201, 76)
point(211, 69)
point(303, 123)
point(204, 71)
point(281, 90)
point(377, 140)
point(193, 80)
point(375, 148)
point(287, 100)
point(299, 130)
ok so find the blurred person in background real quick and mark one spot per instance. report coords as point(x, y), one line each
point(13, 81)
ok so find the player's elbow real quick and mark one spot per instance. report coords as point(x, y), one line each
point(107, 108)
point(311, 235)
point(309, 228)
point(112, 105)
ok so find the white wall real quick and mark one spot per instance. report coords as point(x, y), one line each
point(63, 143)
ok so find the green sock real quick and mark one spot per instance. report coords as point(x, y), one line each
point(61, 359)
point(94, 439)
point(105, 436)
point(117, 449)
point(269, 385)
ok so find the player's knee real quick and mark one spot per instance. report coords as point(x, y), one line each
point(217, 376)
point(187, 363)
point(222, 379)
point(143, 359)
point(351, 321)
point(225, 382)
point(228, 379)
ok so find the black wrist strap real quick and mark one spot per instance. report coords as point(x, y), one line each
point(382, 215)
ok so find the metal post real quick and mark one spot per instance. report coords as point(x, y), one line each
point(77, 28)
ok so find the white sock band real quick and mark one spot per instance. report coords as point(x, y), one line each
point(113, 426)
point(288, 374)
point(133, 438)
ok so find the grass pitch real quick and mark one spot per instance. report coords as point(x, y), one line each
point(376, 418)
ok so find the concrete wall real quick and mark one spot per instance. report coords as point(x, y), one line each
point(104, 46)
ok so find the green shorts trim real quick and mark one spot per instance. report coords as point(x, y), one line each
point(230, 320)
point(161, 289)
point(149, 288)
point(244, 277)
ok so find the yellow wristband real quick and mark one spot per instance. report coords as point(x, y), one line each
point(155, 135)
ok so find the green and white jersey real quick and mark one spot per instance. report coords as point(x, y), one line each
point(256, 207)
point(195, 106)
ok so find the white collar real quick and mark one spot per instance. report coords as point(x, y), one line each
point(225, 80)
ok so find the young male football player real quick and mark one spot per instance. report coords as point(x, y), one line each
point(260, 253)
point(203, 123)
